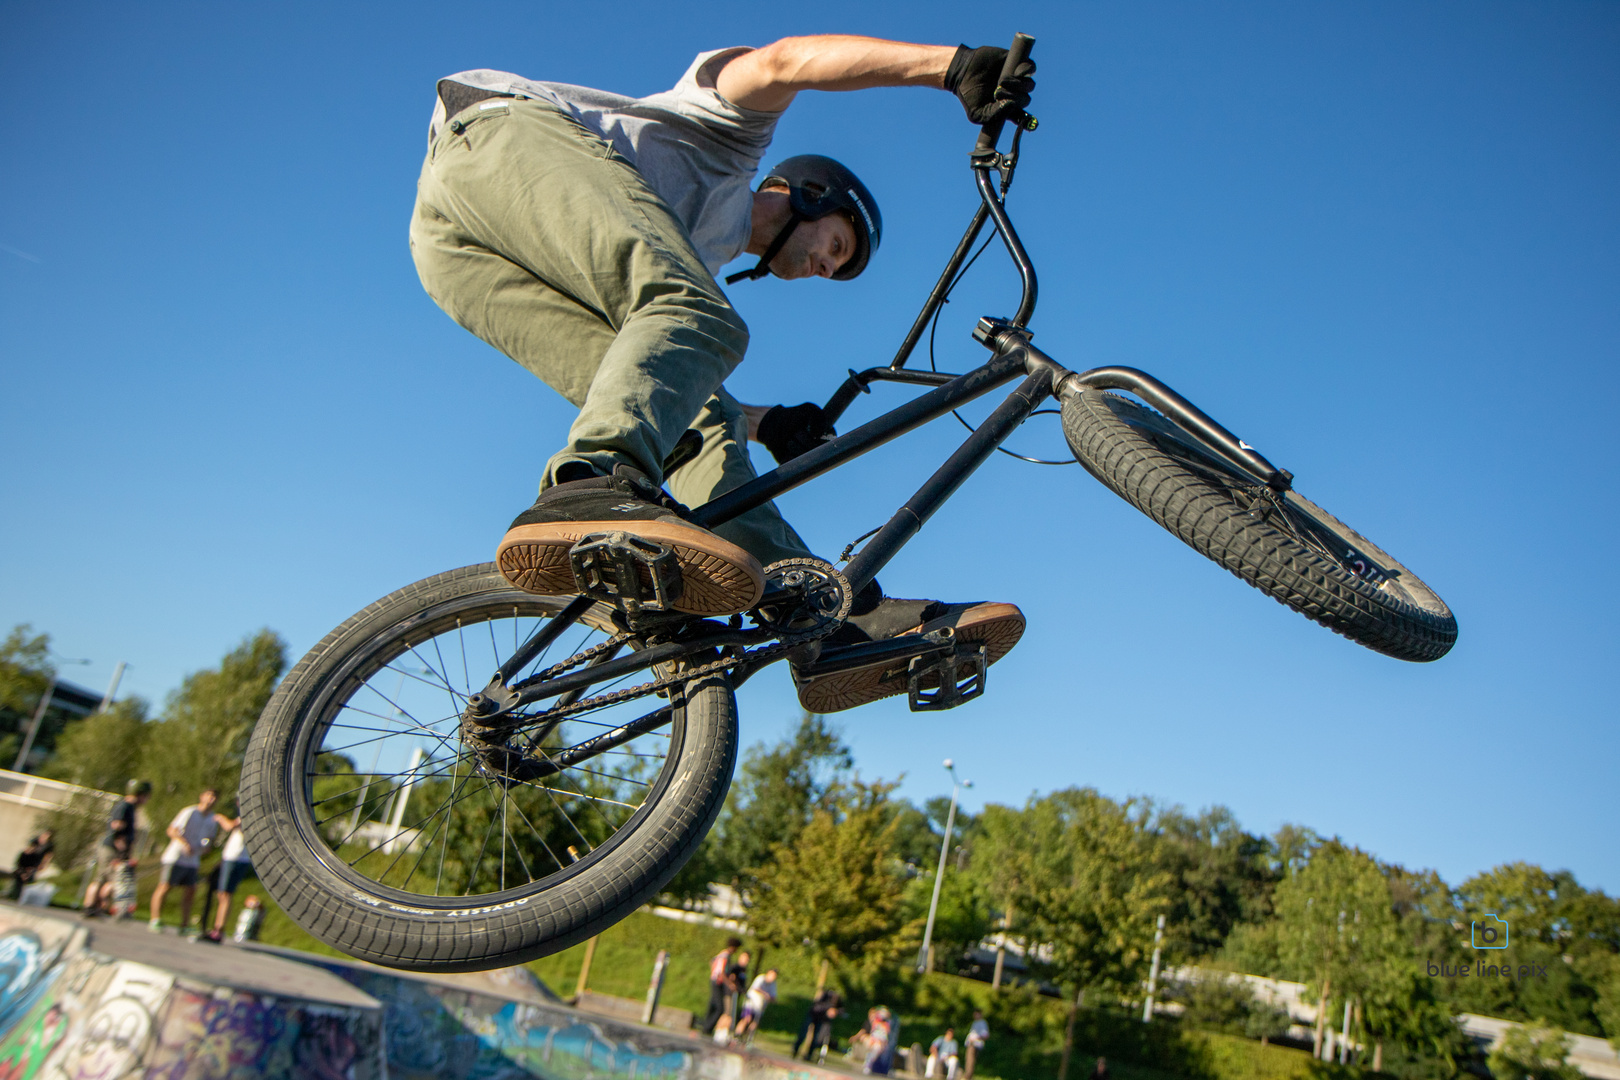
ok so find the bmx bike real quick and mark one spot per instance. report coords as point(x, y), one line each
point(464, 775)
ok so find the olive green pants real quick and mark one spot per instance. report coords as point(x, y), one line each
point(533, 233)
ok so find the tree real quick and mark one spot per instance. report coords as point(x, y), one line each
point(99, 752)
point(1291, 849)
point(1222, 875)
point(25, 672)
point(919, 830)
point(1336, 925)
point(964, 915)
point(102, 751)
point(1556, 925)
point(1532, 1053)
point(997, 866)
point(777, 791)
point(836, 889)
point(199, 741)
point(1090, 891)
point(1608, 1003)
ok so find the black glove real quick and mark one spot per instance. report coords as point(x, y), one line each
point(973, 76)
point(789, 432)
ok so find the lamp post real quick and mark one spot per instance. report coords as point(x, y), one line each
point(39, 718)
point(923, 956)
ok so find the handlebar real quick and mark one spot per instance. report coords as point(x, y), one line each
point(990, 133)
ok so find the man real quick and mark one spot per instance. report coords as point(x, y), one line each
point(235, 865)
point(761, 992)
point(942, 1051)
point(190, 833)
point(825, 1007)
point(736, 979)
point(579, 232)
point(719, 984)
point(978, 1035)
point(120, 826)
point(30, 861)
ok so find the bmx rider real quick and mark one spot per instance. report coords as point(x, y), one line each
point(580, 232)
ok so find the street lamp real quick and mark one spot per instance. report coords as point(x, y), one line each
point(39, 718)
point(939, 871)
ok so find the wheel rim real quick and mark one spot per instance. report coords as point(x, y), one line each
point(390, 794)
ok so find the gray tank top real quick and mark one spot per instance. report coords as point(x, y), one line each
point(697, 150)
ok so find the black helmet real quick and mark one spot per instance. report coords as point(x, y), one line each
point(818, 186)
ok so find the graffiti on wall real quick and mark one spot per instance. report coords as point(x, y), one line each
point(70, 1013)
point(215, 1032)
point(441, 1031)
point(90, 1018)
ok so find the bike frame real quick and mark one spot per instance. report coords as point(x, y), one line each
point(1012, 356)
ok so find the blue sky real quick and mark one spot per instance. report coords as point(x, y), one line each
point(1381, 242)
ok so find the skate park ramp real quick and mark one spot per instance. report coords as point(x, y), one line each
point(112, 1000)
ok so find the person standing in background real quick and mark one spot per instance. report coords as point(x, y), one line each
point(978, 1035)
point(30, 861)
point(190, 833)
point(718, 968)
point(824, 1008)
point(235, 865)
point(121, 823)
point(761, 993)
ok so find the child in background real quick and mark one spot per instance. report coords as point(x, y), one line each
point(760, 995)
point(118, 884)
point(122, 903)
point(247, 923)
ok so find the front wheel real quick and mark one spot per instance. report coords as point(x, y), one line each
point(1283, 544)
point(384, 831)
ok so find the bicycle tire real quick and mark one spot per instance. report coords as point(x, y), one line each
point(1286, 546)
point(389, 918)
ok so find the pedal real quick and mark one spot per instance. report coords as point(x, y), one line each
point(635, 574)
point(958, 676)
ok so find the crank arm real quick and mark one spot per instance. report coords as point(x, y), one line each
point(893, 650)
point(528, 692)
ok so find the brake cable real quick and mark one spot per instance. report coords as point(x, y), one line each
point(1011, 159)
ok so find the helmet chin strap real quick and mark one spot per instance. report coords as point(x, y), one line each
point(754, 273)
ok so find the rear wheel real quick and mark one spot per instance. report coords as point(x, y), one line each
point(1283, 544)
point(384, 830)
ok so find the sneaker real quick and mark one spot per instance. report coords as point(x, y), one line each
point(998, 626)
point(717, 577)
point(155, 925)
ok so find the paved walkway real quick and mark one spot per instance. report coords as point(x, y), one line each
point(223, 965)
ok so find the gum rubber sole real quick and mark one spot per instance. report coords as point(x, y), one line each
point(718, 578)
point(998, 626)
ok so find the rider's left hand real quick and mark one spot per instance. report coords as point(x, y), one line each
point(789, 432)
point(974, 77)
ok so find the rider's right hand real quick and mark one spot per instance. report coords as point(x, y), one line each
point(974, 77)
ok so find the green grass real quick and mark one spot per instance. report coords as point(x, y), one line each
point(1026, 1029)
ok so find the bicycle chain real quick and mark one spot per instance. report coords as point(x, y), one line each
point(572, 662)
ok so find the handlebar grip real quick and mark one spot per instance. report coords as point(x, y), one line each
point(990, 133)
point(1017, 54)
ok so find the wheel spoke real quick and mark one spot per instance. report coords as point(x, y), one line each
point(470, 821)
